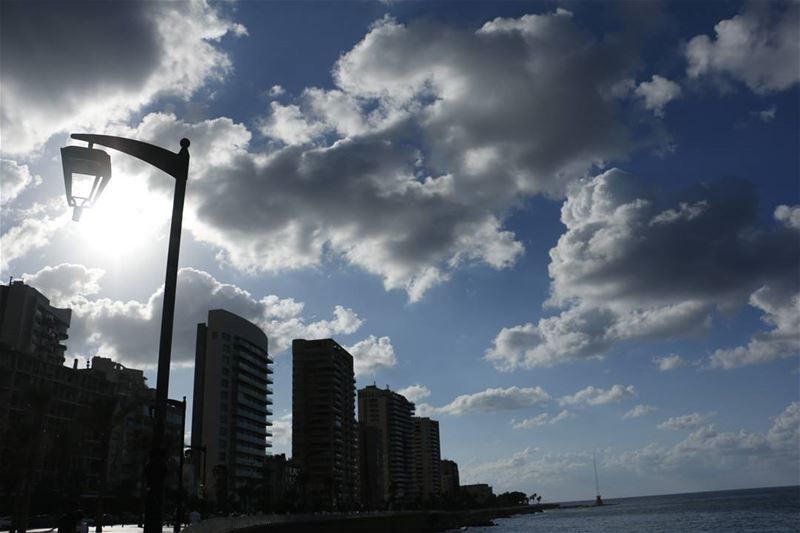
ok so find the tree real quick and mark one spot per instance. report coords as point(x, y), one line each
point(509, 499)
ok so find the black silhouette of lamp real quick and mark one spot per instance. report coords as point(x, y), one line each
point(79, 160)
point(82, 161)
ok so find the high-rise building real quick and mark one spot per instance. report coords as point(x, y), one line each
point(324, 434)
point(427, 458)
point(450, 481)
point(391, 414)
point(30, 325)
point(230, 413)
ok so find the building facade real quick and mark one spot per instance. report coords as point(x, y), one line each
point(230, 412)
point(324, 433)
point(280, 490)
point(60, 426)
point(391, 414)
point(479, 493)
point(30, 325)
point(371, 467)
point(427, 459)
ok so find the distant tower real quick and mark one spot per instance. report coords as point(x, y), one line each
point(427, 458)
point(230, 413)
point(391, 414)
point(324, 434)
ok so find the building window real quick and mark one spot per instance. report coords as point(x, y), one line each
point(214, 335)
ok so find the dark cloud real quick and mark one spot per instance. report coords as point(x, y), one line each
point(637, 263)
point(57, 49)
point(409, 167)
point(71, 64)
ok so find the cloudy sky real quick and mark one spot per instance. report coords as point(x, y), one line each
point(558, 227)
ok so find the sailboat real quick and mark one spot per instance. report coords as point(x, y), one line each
point(598, 500)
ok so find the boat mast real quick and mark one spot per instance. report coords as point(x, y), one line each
point(598, 500)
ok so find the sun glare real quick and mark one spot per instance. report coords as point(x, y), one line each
point(126, 218)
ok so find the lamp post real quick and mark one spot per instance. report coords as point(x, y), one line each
point(80, 160)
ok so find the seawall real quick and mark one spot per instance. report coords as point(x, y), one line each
point(386, 522)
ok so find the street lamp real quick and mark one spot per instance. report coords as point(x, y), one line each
point(89, 162)
point(97, 163)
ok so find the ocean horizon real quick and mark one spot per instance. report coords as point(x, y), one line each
point(762, 509)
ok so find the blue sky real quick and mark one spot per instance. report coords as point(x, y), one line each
point(559, 227)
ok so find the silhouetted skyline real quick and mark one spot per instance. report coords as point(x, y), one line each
point(566, 227)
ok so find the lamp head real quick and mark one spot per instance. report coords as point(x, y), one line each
point(85, 161)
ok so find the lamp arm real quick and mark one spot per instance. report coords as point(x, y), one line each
point(174, 164)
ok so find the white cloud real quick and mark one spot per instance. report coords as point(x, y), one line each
point(530, 467)
point(31, 229)
point(657, 93)
point(276, 90)
point(139, 51)
point(690, 421)
point(768, 114)
point(16, 178)
point(685, 211)
point(785, 430)
point(634, 263)
point(770, 458)
point(415, 393)
point(372, 354)
point(282, 433)
point(542, 420)
point(639, 411)
point(489, 400)
point(287, 124)
point(595, 396)
point(757, 47)
point(782, 313)
point(767, 459)
point(63, 283)
point(669, 362)
point(128, 331)
point(789, 215)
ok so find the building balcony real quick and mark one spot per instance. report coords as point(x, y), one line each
point(258, 406)
point(250, 439)
point(261, 419)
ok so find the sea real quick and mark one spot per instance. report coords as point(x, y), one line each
point(765, 510)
